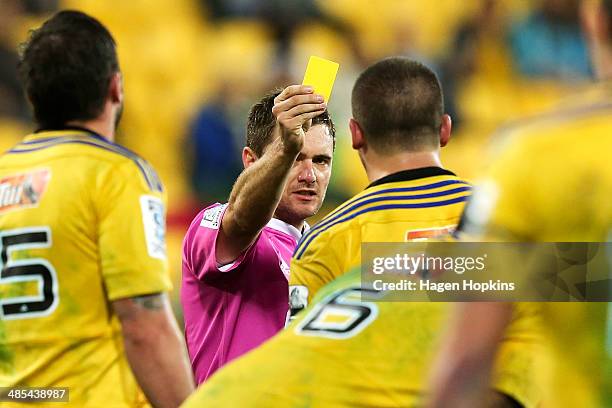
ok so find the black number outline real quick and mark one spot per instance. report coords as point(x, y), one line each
point(27, 270)
point(368, 312)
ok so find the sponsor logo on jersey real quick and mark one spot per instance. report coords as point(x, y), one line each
point(298, 297)
point(23, 190)
point(212, 217)
point(153, 218)
point(428, 233)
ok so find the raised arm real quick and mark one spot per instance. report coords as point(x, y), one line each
point(155, 349)
point(258, 190)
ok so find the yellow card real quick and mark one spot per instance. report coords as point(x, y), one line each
point(321, 74)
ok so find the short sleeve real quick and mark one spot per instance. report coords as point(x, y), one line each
point(131, 233)
point(199, 246)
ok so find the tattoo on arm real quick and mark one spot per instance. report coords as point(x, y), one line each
point(155, 301)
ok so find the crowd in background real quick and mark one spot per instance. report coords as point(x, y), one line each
point(193, 68)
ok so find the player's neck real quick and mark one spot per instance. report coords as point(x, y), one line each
point(378, 166)
point(100, 125)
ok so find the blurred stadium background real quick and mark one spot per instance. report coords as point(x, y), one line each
point(192, 68)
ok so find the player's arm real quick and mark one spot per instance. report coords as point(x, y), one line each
point(258, 190)
point(155, 349)
point(460, 376)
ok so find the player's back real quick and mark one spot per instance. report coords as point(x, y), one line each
point(345, 352)
point(65, 227)
point(556, 178)
point(384, 365)
point(553, 183)
point(405, 206)
point(574, 205)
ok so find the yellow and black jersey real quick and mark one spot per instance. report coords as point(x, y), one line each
point(346, 352)
point(552, 182)
point(552, 179)
point(82, 223)
point(405, 206)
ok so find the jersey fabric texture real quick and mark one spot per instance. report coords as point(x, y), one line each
point(82, 223)
point(400, 207)
point(552, 182)
point(233, 308)
point(344, 352)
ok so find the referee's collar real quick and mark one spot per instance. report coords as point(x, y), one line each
point(282, 226)
point(413, 174)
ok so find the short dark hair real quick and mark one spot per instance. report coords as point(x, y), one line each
point(399, 105)
point(261, 123)
point(66, 67)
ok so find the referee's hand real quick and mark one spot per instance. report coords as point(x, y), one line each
point(294, 109)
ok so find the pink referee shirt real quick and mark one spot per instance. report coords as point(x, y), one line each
point(232, 309)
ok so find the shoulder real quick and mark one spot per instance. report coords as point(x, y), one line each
point(346, 220)
point(202, 232)
point(209, 218)
point(589, 110)
point(205, 226)
point(337, 223)
point(349, 280)
point(130, 161)
point(97, 150)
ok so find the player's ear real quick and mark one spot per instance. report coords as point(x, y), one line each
point(445, 129)
point(248, 157)
point(116, 88)
point(357, 138)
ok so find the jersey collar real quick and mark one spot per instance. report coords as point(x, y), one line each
point(413, 174)
point(288, 229)
point(49, 133)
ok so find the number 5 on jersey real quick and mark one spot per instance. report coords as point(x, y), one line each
point(15, 305)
